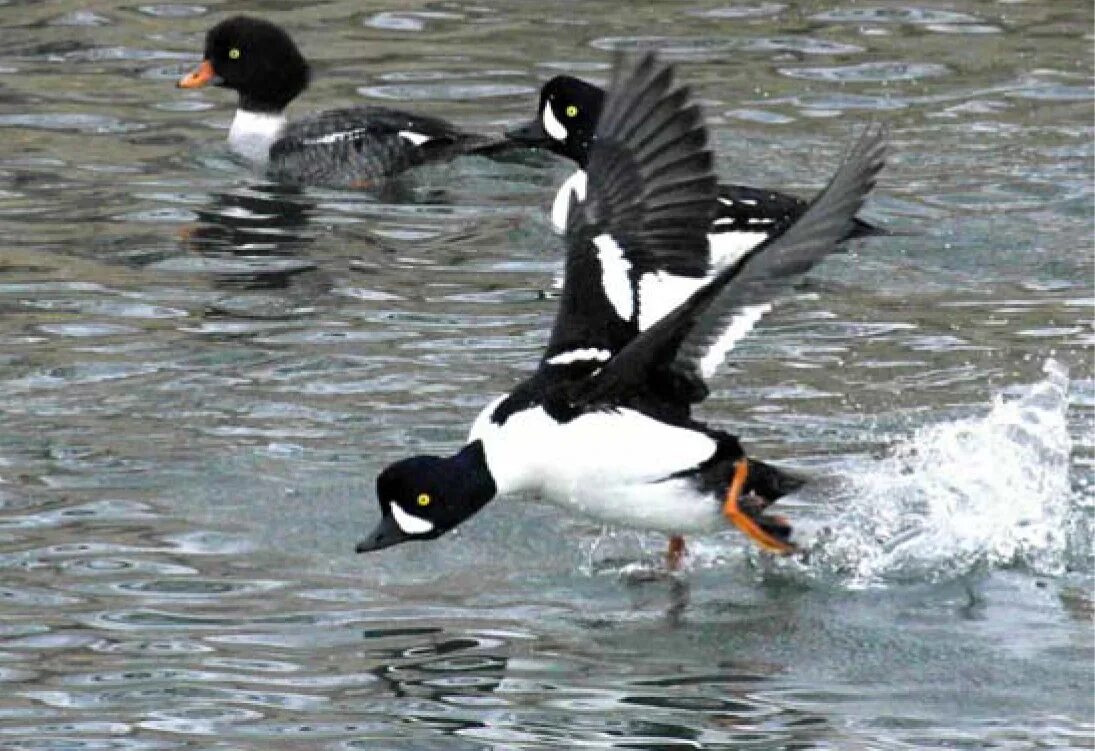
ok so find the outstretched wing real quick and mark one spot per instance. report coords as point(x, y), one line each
point(672, 359)
point(649, 198)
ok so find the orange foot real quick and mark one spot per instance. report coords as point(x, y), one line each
point(761, 529)
point(675, 553)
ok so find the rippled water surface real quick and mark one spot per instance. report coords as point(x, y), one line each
point(201, 376)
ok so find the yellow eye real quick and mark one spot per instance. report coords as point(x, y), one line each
point(572, 110)
point(424, 499)
point(234, 53)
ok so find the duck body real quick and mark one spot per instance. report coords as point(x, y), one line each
point(359, 145)
point(620, 465)
point(354, 146)
point(743, 218)
point(604, 426)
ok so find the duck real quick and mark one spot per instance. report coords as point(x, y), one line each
point(565, 123)
point(348, 147)
point(605, 427)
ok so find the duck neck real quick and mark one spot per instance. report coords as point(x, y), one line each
point(253, 133)
point(472, 479)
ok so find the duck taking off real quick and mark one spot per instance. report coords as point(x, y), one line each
point(605, 425)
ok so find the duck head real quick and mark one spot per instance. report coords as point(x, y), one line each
point(566, 119)
point(423, 497)
point(255, 58)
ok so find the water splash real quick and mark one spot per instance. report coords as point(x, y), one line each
point(959, 496)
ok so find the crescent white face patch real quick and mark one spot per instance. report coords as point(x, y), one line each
point(412, 525)
point(554, 128)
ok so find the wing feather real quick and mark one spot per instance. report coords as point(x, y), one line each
point(673, 356)
point(650, 196)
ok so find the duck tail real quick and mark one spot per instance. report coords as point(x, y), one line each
point(490, 146)
point(770, 482)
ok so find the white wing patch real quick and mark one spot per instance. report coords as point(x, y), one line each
point(341, 135)
point(576, 355)
point(416, 139)
point(659, 293)
point(728, 247)
point(554, 128)
point(740, 325)
point(410, 524)
point(575, 184)
point(614, 275)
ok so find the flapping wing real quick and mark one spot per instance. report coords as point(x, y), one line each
point(649, 198)
point(754, 214)
point(674, 357)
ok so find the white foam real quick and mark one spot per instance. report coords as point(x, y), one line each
point(958, 496)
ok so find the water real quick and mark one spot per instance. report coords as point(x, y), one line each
point(203, 374)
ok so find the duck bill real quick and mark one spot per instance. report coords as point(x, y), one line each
point(386, 534)
point(201, 76)
point(531, 133)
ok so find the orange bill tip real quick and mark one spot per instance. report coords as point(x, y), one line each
point(203, 75)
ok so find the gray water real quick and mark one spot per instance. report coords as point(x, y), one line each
point(201, 377)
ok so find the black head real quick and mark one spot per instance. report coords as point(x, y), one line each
point(423, 497)
point(566, 120)
point(256, 59)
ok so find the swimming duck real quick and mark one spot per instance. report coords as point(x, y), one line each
point(354, 146)
point(605, 425)
point(565, 123)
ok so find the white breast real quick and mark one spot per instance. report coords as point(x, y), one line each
point(253, 133)
point(575, 186)
point(609, 465)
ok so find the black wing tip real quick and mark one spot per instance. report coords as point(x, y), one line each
point(651, 153)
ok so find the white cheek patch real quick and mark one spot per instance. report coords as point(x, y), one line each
point(416, 139)
point(614, 275)
point(411, 525)
point(554, 128)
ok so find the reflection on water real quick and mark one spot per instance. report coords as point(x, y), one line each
point(203, 373)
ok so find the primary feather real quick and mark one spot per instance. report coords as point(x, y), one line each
point(669, 357)
point(650, 195)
